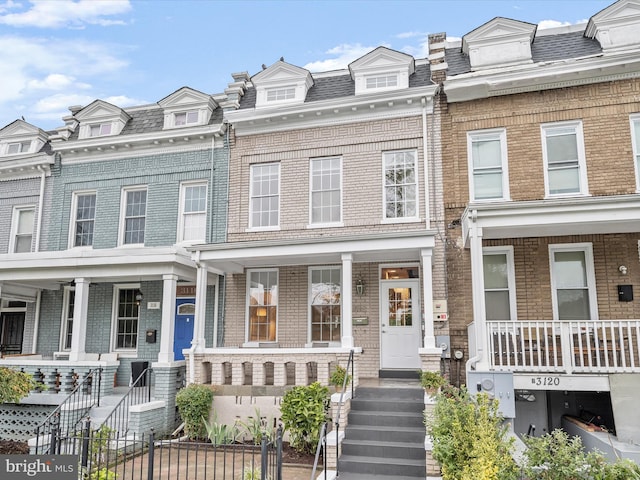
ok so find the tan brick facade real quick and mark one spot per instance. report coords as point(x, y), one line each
point(603, 107)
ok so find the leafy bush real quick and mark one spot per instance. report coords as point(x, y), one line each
point(337, 377)
point(15, 385)
point(257, 427)
point(432, 381)
point(219, 433)
point(103, 474)
point(304, 410)
point(194, 404)
point(557, 456)
point(469, 438)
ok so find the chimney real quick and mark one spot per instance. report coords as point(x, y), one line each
point(437, 60)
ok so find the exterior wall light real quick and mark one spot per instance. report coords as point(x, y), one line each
point(360, 286)
point(623, 269)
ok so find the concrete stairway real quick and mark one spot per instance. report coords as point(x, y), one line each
point(385, 435)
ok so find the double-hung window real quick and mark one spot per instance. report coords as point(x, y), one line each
point(400, 177)
point(499, 283)
point(326, 190)
point(99, 129)
point(564, 159)
point(193, 220)
point(18, 147)
point(573, 282)
point(181, 119)
point(324, 303)
point(84, 212)
point(635, 140)
point(487, 154)
point(264, 207)
point(22, 229)
point(126, 317)
point(262, 308)
point(67, 318)
point(134, 216)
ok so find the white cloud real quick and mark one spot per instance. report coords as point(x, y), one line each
point(343, 55)
point(56, 81)
point(552, 24)
point(54, 107)
point(410, 34)
point(65, 13)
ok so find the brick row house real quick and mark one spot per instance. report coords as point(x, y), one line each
point(541, 174)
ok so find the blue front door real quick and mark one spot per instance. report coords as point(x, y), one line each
point(183, 334)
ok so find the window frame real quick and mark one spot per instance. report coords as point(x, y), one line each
point(506, 250)
point(587, 249)
point(634, 120)
point(499, 134)
point(545, 129)
point(404, 219)
point(23, 147)
point(69, 291)
point(310, 305)
point(187, 114)
point(73, 217)
point(377, 77)
point(182, 215)
point(289, 92)
point(100, 127)
point(117, 288)
point(252, 169)
point(123, 215)
point(254, 343)
point(15, 223)
point(339, 222)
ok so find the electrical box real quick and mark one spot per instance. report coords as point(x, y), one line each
point(625, 293)
point(440, 312)
point(151, 336)
point(497, 384)
point(444, 342)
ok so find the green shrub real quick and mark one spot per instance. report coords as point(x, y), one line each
point(469, 438)
point(194, 404)
point(304, 410)
point(15, 385)
point(256, 427)
point(103, 474)
point(219, 433)
point(337, 377)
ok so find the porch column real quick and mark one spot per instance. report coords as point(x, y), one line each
point(346, 298)
point(80, 309)
point(201, 308)
point(169, 282)
point(427, 298)
point(477, 290)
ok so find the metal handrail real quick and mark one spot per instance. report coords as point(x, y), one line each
point(323, 431)
point(118, 419)
point(51, 424)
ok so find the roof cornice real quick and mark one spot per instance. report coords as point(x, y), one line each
point(342, 110)
point(26, 167)
point(542, 76)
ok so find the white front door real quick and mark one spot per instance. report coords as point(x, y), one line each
point(400, 325)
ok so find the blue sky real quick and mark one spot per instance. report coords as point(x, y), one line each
point(57, 53)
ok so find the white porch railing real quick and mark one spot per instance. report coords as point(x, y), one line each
point(269, 366)
point(591, 346)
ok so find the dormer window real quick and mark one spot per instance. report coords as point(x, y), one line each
point(100, 130)
point(18, 147)
point(281, 94)
point(382, 81)
point(185, 118)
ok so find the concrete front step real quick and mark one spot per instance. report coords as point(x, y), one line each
point(373, 448)
point(385, 419)
point(409, 393)
point(382, 466)
point(388, 405)
point(386, 434)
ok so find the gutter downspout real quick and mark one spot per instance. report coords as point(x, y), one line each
point(211, 170)
point(40, 206)
point(36, 323)
point(427, 190)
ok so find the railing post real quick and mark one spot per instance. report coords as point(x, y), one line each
point(99, 385)
point(264, 464)
point(55, 432)
point(567, 346)
point(150, 458)
point(279, 453)
point(324, 452)
point(86, 434)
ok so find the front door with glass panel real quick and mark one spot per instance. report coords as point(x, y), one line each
point(183, 332)
point(400, 334)
point(11, 332)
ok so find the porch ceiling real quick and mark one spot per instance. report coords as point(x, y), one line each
point(545, 218)
point(383, 247)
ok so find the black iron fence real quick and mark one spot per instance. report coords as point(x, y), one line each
point(103, 454)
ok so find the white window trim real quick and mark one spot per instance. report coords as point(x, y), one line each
point(492, 134)
point(340, 223)
point(248, 343)
point(123, 352)
point(123, 211)
point(635, 142)
point(252, 228)
point(587, 248)
point(181, 213)
point(63, 323)
point(511, 275)
point(22, 143)
point(395, 75)
point(582, 162)
point(310, 342)
point(112, 129)
point(416, 217)
point(15, 215)
point(73, 217)
point(285, 88)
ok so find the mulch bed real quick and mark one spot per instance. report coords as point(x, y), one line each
point(12, 447)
